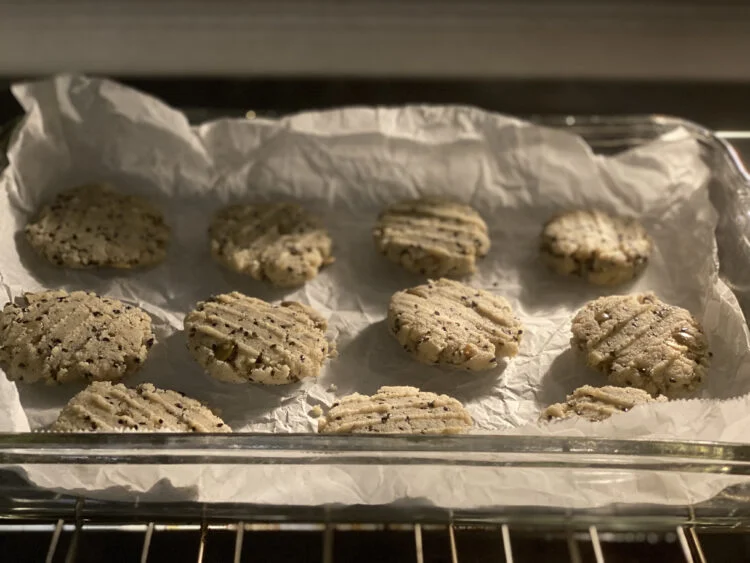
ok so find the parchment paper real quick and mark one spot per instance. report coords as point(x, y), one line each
point(346, 165)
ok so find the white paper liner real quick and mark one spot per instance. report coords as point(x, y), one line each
point(346, 165)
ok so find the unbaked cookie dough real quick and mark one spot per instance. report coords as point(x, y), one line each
point(434, 237)
point(279, 242)
point(639, 341)
point(59, 337)
point(448, 323)
point(242, 339)
point(104, 407)
point(396, 410)
point(599, 403)
point(94, 225)
point(600, 248)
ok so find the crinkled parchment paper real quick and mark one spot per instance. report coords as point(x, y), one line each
point(347, 165)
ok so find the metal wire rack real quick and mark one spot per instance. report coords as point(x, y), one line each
point(240, 541)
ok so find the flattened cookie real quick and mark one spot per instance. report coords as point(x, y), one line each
point(241, 339)
point(396, 410)
point(600, 248)
point(277, 242)
point(599, 403)
point(432, 236)
point(103, 407)
point(448, 323)
point(59, 337)
point(96, 226)
point(639, 341)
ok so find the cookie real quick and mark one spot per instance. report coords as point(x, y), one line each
point(434, 237)
point(599, 403)
point(94, 225)
point(396, 410)
point(278, 242)
point(242, 339)
point(639, 341)
point(58, 337)
point(600, 248)
point(104, 407)
point(448, 323)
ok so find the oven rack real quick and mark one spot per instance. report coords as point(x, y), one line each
point(78, 541)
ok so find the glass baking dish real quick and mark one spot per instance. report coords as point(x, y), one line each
point(594, 460)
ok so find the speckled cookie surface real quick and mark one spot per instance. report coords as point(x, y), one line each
point(396, 410)
point(95, 225)
point(279, 243)
point(242, 339)
point(433, 237)
point(448, 323)
point(599, 403)
point(639, 341)
point(104, 407)
point(600, 248)
point(59, 337)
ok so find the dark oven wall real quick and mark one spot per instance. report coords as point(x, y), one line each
point(715, 105)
